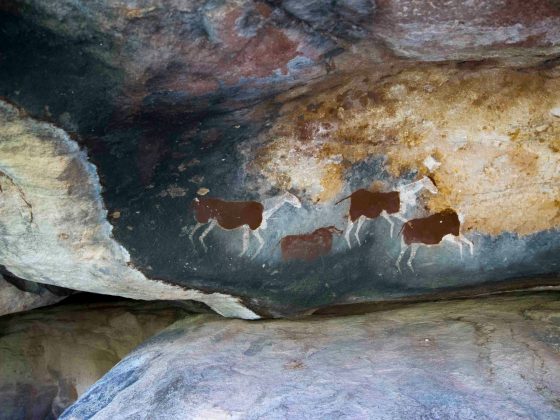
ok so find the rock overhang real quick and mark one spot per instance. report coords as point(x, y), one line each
point(210, 110)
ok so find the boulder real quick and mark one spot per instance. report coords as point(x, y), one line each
point(486, 358)
point(50, 356)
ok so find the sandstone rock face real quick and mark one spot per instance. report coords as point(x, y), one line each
point(204, 53)
point(218, 149)
point(501, 29)
point(484, 135)
point(49, 357)
point(487, 358)
point(17, 299)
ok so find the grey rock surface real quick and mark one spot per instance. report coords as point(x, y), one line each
point(14, 299)
point(492, 358)
point(50, 356)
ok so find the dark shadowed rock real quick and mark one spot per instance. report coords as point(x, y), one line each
point(49, 357)
point(487, 358)
point(53, 222)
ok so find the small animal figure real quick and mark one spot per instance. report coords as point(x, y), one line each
point(310, 246)
point(430, 231)
point(250, 216)
point(366, 204)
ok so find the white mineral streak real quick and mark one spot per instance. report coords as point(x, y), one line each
point(53, 224)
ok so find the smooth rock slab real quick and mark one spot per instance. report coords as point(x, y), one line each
point(49, 357)
point(492, 358)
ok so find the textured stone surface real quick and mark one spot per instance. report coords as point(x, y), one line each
point(492, 358)
point(174, 53)
point(49, 357)
point(511, 30)
point(53, 222)
point(490, 132)
point(247, 101)
point(15, 299)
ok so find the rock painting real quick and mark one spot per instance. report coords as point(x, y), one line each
point(432, 230)
point(365, 204)
point(308, 247)
point(250, 216)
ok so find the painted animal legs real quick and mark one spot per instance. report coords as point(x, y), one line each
point(454, 239)
point(193, 230)
point(348, 230)
point(400, 217)
point(206, 232)
point(459, 240)
point(246, 232)
point(404, 247)
point(361, 221)
point(386, 217)
point(413, 249)
point(469, 243)
point(257, 235)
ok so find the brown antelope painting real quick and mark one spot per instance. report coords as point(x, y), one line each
point(430, 231)
point(248, 216)
point(308, 247)
point(366, 204)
